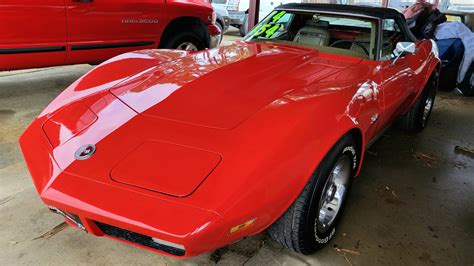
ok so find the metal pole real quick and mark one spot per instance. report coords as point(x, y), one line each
point(253, 13)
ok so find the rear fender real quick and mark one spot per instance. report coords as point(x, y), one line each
point(433, 64)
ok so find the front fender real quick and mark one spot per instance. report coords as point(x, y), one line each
point(111, 73)
point(302, 135)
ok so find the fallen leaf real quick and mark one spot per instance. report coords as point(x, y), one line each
point(427, 158)
point(58, 228)
point(394, 194)
point(338, 249)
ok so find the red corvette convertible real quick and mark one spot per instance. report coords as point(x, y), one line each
point(184, 152)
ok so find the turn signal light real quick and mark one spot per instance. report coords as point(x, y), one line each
point(242, 226)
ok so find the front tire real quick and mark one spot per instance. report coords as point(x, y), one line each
point(184, 41)
point(311, 220)
point(221, 28)
point(466, 87)
point(416, 119)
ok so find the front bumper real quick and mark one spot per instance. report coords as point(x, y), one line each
point(151, 223)
point(118, 212)
point(214, 35)
point(214, 41)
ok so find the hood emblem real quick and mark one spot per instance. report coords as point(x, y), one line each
point(85, 152)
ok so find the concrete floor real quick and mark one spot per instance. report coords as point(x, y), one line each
point(412, 204)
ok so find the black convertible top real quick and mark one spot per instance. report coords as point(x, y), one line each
point(379, 12)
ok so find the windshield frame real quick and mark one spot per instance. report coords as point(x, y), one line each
point(377, 20)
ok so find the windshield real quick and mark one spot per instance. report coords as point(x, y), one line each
point(337, 34)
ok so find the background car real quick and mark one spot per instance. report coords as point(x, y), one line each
point(62, 32)
point(238, 11)
point(466, 18)
point(222, 18)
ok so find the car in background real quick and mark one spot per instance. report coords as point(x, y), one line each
point(222, 18)
point(238, 11)
point(63, 32)
point(173, 152)
point(460, 6)
point(466, 18)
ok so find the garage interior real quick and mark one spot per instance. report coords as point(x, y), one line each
point(411, 204)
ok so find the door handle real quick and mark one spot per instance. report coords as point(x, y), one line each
point(83, 1)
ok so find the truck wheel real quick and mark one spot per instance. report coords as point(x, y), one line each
point(311, 220)
point(244, 28)
point(467, 90)
point(416, 119)
point(221, 28)
point(184, 41)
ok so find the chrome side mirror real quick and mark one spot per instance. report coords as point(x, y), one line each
point(403, 48)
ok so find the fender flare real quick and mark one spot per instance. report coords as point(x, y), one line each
point(434, 63)
point(347, 126)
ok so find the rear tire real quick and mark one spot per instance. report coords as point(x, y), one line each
point(244, 27)
point(466, 87)
point(416, 119)
point(184, 39)
point(311, 220)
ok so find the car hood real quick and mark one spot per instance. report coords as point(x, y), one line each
point(223, 87)
point(172, 109)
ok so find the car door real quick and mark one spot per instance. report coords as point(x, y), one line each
point(397, 86)
point(32, 33)
point(101, 29)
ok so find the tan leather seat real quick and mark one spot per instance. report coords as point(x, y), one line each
point(313, 33)
point(364, 40)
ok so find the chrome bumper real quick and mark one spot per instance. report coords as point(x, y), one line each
point(214, 41)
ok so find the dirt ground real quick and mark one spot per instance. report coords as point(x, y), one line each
point(412, 204)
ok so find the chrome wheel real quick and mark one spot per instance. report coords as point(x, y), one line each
point(427, 108)
point(188, 46)
point(334, 193)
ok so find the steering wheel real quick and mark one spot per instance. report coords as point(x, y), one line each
point(351, 42)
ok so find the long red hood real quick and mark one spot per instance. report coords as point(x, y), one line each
point(220, 88)
point(217, 88)
point(183, 103)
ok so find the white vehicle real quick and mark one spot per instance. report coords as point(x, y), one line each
point(238, 11)
point(222, 17)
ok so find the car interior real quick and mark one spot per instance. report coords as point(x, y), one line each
point(335, 34)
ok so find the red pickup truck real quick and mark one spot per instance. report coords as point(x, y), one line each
point(41, 33)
